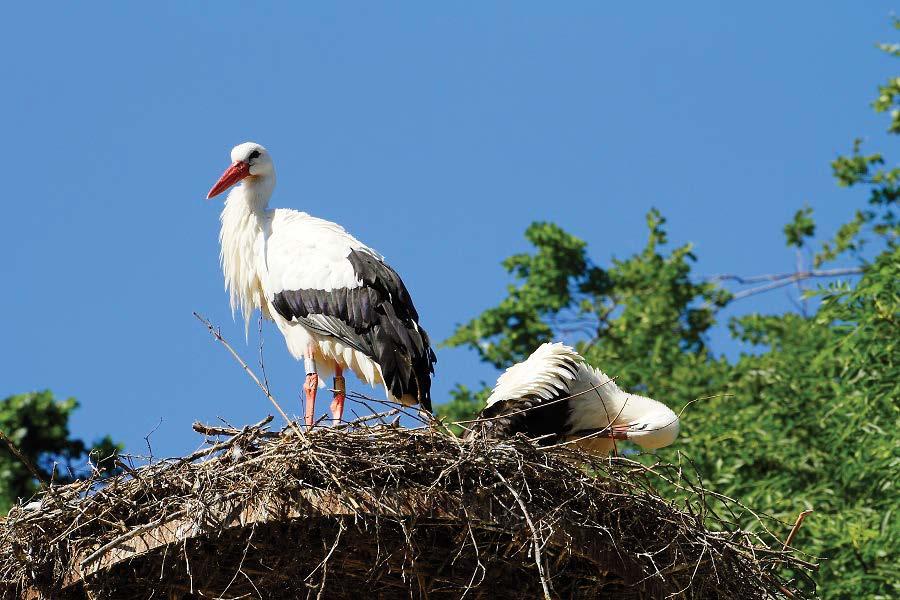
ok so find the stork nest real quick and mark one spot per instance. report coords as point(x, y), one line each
point(383, 512)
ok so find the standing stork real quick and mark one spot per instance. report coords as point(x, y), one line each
point(556, 396)
point(337, 302)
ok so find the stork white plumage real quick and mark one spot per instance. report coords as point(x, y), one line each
point(555, 395)
point(336, 301)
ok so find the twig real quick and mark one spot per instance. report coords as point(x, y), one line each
point(216, 334)
point(380, 415)
point(403, 409)
point(796, 528)
point(795, 276)
point(249, 430)
point(534, 536)
point(800, 288)
point(212, 430)
point(147, 438)
point(781, 279)
point(262, 362)
point(325, 560)
point(241, 564)
point(334, 546)
point(128, 535)
point(25, 460)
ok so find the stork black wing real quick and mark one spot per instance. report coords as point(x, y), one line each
point(532, 417)
point(377, 318)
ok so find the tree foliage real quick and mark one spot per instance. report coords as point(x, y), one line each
point(38, 425)
point(806, 417)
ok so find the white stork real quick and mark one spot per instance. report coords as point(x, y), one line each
point(335, 300)
point(556, 396)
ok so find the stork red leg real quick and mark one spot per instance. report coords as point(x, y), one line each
point(310, 386)
point(340, 394)
point(309, 389)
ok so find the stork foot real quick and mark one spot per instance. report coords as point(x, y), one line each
point(309, 389)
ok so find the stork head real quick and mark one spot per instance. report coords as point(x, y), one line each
point(654, 430)
point(248, 160)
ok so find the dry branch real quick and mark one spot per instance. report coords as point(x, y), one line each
point(24, 459)
point(778, 280)
point(796, 528)
point(218, 335)
point(798, 275)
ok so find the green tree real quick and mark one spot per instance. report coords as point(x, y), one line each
point(643, 314)
point(808, 419)
point(38, 425)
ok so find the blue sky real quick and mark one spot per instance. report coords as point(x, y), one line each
point(434, 133)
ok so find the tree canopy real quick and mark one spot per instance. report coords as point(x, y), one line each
point(37, 425)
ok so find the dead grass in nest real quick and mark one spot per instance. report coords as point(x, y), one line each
point(391, 512)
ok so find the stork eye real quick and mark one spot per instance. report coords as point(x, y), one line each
point(254, 154)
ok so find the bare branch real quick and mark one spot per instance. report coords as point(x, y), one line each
point(791, 277)
point(25, 460)
point(535, 536)
point(216, 334)
point(212, 430)
point(796, 528)
point(784, 279)
point(147, 438)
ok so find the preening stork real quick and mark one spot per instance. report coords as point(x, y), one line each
point(555, 395)
point(337, 302)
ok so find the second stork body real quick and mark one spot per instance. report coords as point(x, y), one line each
point(556, 396)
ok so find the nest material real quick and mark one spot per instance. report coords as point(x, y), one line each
point(384, 512)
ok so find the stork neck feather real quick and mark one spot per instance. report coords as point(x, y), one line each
point(244, 220)
point(256, 191)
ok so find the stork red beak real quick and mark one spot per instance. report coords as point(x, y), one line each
point(231, 176)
